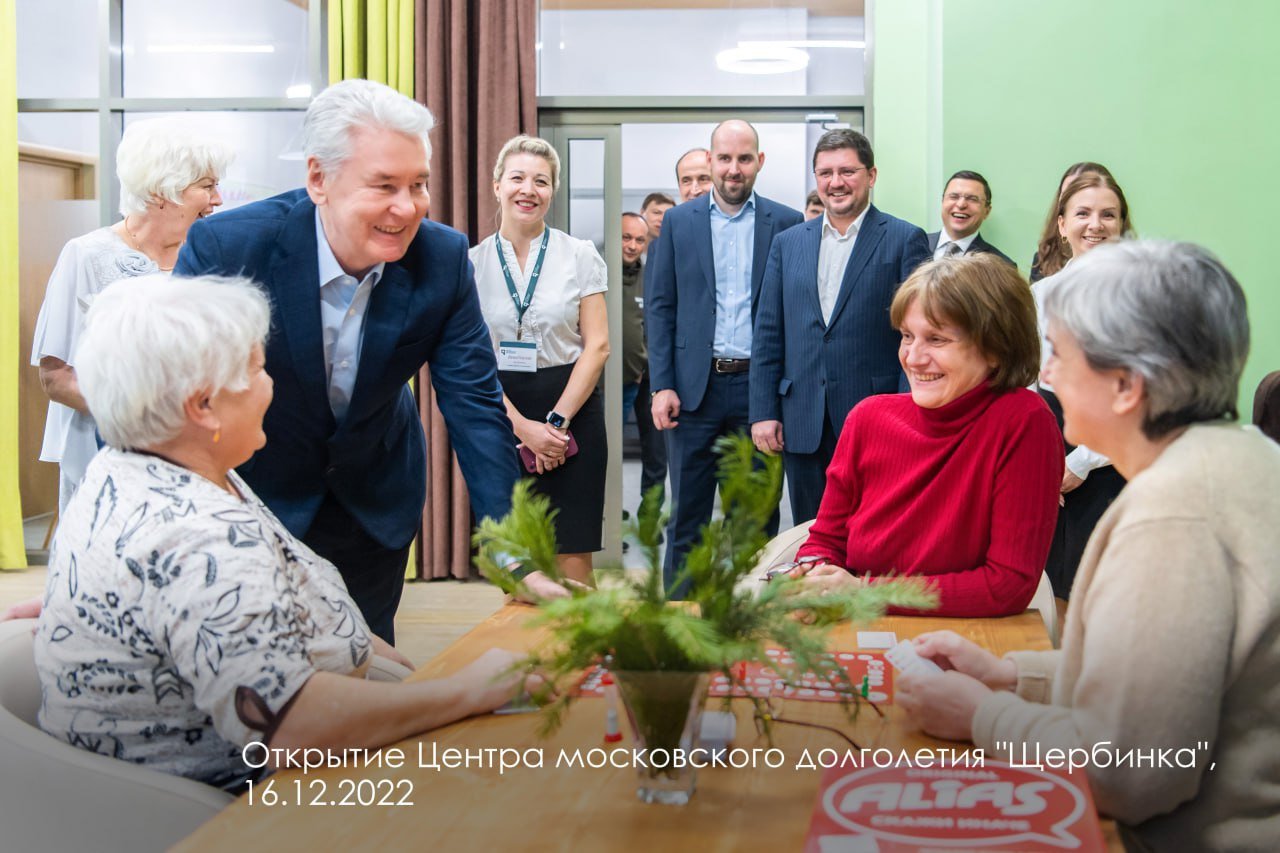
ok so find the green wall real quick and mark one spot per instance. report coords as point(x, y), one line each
point(1177, 98)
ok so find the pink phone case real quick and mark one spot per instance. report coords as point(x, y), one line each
point(530, 462)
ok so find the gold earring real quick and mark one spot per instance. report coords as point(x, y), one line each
point(217, 435)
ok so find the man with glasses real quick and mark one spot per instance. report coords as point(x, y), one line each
point(966, 203)
point(822, 340)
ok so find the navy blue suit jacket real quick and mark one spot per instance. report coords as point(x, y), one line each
point(424, 310)
point(680, 293)
point(799, 365)
point(978, 246)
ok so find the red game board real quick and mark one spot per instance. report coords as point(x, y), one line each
point(994, 807)
point(763, 681)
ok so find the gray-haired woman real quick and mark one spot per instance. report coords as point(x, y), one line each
point(182, 621)
point(1170, 646)
point(169, 176)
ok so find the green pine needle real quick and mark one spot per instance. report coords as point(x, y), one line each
point(629, 621)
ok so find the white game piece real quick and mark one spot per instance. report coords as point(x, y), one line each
point(877, 639)
point(904, 658)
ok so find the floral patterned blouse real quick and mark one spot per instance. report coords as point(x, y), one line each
point(180, 621)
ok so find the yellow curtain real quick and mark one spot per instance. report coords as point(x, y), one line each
point(13, 554)
point(372, 39)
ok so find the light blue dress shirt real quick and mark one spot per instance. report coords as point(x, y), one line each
point(733, 241)
point(343, 303)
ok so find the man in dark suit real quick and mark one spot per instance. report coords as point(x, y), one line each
point(700, 301)
point(966, 204)
point(364, 292)
point(822, 335)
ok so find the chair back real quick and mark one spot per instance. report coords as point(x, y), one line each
point(55, 796)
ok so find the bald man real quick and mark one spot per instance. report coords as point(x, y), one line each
point(701, 291)
point(693, 173)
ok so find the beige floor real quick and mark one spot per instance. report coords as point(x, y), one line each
point(432, 615)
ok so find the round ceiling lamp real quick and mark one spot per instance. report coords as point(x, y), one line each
point(762, 59)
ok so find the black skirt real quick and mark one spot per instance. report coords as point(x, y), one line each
point(1082, 508)
point(576, 488)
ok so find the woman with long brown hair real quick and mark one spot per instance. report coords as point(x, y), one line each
point(1051, 254)
point(1092, 210)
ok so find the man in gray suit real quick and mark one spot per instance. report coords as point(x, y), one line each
point(822, 339)
point(966, 204)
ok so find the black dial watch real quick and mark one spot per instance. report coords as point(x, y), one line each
point(557, 420)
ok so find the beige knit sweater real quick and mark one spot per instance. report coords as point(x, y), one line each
point(1172, 639)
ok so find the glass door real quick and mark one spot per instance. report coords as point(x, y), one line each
point(613, 159)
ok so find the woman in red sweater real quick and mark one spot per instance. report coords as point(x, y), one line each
point(957, 480)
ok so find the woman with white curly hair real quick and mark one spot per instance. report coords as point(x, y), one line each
point(182, 621)
point(169, 174)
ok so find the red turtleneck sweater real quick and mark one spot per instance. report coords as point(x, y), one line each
point(966, 494)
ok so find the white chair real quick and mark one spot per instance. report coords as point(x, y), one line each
point(54, 796)
point(782, 549)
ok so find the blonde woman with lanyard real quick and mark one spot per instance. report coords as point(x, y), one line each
point(542, 293)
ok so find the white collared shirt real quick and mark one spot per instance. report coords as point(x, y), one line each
point(343, 303)
point(944, 241)
point(833, 256)
point(572, 270)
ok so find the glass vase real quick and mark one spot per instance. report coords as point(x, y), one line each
point(665, 710)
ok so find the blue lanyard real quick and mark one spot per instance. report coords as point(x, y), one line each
point(522, 307)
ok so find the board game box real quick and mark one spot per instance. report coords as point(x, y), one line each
point(994, 807)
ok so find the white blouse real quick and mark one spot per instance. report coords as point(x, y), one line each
point(572, 269)
point(85, 267)
point(1082, 460)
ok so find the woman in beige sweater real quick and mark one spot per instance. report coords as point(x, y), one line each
point(1170, 660)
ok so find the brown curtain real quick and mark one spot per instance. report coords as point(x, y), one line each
point(476, 70)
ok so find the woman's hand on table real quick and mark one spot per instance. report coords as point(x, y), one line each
point(826, 576)
point(490, 681)
point(943, 705)
point(952, 652)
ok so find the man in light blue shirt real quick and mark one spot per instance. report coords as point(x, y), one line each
point(343, 301)
point(732, 238)
point(701, 293)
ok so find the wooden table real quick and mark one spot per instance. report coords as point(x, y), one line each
point(583, 808)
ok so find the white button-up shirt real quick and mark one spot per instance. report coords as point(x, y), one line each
point(944, 242)
point(833, 256)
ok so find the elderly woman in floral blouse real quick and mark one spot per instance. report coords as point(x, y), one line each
point(182, 621)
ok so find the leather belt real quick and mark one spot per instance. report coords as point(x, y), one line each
point(731, 365)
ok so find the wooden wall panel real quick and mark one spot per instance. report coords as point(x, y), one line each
point(49, 182)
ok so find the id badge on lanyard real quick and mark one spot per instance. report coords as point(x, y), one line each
point(520, 355)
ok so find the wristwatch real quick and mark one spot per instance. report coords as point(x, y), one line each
point(557, 420)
